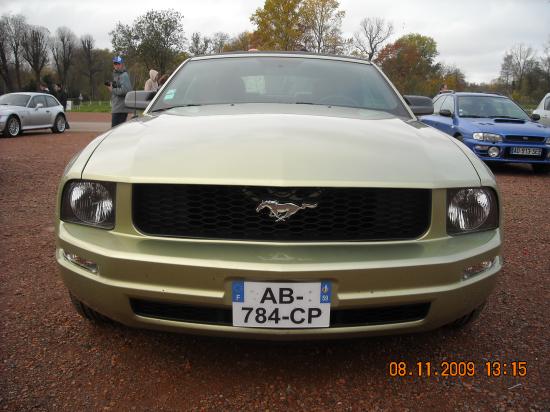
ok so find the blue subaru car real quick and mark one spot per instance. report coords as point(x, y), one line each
point(494, 127)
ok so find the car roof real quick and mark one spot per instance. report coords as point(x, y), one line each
point(32, 93)
point(473, 94)
point(295, 54)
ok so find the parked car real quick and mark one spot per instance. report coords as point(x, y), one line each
point(280, 196)
point(494, 127)
point(543, 110)
point(29, 111)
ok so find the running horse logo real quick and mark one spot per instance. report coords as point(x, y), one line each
point(282, 211)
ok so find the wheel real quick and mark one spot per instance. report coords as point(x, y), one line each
point(60, 124)
point(88, 313)
point(540, 168)
point(467, 319)
point(13, 127)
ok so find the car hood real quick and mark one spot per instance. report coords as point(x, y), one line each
point(507, 127)
point(312, 146)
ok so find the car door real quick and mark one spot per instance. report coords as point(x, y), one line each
point(443, 123)
point(54, 107)
point(447, 124)
point(433, 119)
point(39, 116)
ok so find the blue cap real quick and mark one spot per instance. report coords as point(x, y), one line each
point(118, 59)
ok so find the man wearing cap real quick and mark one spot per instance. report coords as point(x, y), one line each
point(118, 88)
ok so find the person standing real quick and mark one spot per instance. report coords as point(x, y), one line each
point(118, 88)
point(151, 85)
point(61, 95)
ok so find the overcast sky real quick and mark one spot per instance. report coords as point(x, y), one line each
point(471, 34)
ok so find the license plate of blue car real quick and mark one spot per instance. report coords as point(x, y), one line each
point(526, 151)
point(281, 304)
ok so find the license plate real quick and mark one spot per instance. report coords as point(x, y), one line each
point(526, 151)
point(281, 305)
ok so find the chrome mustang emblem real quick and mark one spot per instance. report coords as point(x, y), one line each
point(282, 211)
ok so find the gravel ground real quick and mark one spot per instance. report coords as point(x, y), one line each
point(51, 359)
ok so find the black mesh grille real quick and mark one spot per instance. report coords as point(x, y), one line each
point(532, 139)
point(229, 212)
point(338, 317)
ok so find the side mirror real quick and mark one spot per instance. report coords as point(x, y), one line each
point(420, 105)
point(445, 112)
point(38, 106)
point(138, 99)
point(535, 117)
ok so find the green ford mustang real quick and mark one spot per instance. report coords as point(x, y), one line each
point(279, 196)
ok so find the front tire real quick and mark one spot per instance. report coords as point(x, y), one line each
point(13, 127)
point(467, 319)
point(60, 124)
point(88, 313)
point(540, 168)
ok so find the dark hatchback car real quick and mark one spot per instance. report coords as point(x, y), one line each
point(494, 127)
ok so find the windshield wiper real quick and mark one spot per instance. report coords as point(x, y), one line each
point(474, 116)
point(162, 109)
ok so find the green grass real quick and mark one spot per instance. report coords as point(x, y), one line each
point(93, 107)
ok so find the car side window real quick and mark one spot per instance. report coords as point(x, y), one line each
point(449, 104)
point(547, 104)
point(51, 101)
point(38, 99)
point(437, 104)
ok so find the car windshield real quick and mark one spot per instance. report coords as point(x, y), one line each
point(288, 80)
point(14, 99)
point(489, 106)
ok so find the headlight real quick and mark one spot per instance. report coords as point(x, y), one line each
point(471, 210)
point(89, 203)
point(488, 137)
point(548, 140)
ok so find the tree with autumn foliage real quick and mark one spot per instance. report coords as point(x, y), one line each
point(409, 62)
point(278, 24)
point(321, 23)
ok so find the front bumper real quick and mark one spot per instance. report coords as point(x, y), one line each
point(199, 273)
point(505, 155)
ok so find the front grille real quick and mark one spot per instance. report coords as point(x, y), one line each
point(229, 212)
point(338, 317)
point(531, 139)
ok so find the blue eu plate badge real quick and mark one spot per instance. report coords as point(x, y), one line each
point(281, 304)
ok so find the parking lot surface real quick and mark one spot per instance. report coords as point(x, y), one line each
point(52, 359)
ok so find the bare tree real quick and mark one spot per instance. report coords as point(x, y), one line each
point(522, 60)
point(506, 72)
point(91, 65)
point(371, 36)
point(199, 45)
point(63, 46)
point(5, 54)
point(16, 29)
point(321, 22)
point(219, 40)
point(544, 62)
point(35, 49)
